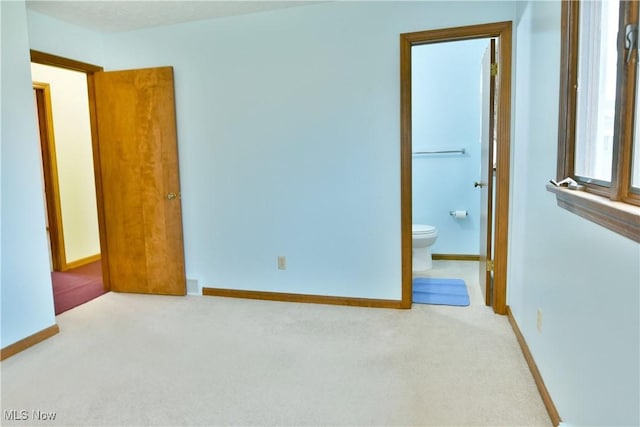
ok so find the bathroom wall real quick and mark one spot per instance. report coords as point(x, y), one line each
point(25, 286)
point(446, 115)
point(74, 155)
point(583, 278)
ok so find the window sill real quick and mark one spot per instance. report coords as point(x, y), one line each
point(620, 217)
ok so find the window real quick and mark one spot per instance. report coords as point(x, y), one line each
point(598, 134)
point(596, 91)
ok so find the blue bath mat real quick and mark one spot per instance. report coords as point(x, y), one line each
point(440, 291)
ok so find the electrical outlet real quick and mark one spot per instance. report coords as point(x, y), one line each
point(539, 321)
point(282, 262)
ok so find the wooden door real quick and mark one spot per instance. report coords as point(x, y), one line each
point(136, 125)
point(489, 71)
point(53, 211)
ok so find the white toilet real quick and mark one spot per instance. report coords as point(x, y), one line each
point(424, 236)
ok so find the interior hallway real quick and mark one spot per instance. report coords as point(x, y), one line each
point(126, 359)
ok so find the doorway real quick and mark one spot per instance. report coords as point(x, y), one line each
point(496, 243)
point(65, 134)
point(77, 281)
point(137, 184)
point(60, 97)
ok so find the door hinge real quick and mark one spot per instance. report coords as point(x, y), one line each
point(630, 40)
point(489, 265)
point(494, 69)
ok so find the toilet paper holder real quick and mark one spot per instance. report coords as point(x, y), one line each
point(459, 214)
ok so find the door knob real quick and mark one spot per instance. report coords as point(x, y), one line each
point(171, 196)
point(479, 184)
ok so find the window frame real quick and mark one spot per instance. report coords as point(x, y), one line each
point(616, 206)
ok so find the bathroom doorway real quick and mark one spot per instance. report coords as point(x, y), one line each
point(443, 139)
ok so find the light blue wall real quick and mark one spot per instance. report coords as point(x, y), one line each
point(330, 73)
point(584, 278)
point(289, 133)
point(61, 38)
point(446, 115)
point(25, 290)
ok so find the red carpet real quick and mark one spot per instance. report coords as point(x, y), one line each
point(75, 287)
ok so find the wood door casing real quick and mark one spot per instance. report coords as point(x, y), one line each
point(136, 126)
point(502, 31)
point(486, 169)
point(89, 69)
point(42, 93)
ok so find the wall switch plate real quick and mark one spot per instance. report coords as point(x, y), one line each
point(539, 320)
point(282, 262)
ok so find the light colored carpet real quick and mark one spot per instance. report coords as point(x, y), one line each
point(153, 360)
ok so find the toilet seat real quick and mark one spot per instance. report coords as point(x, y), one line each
point(421, 229)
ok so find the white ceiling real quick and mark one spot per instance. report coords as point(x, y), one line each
point(117, 15)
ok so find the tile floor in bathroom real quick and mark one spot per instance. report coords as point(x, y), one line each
point(465, 270)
